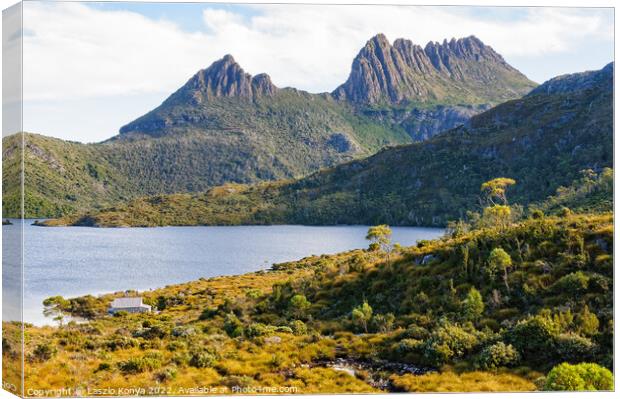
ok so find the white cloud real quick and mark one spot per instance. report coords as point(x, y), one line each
point(88, 70)
point(76, 51)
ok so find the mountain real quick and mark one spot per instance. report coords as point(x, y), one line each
point(455, 72)
point(225, 125)
point(543, 141)
point(429, 90)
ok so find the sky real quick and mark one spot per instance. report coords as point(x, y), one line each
point(90, 68)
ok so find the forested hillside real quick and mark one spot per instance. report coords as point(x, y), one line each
point(543, 141)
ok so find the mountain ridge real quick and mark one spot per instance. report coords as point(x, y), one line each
point(543, 141)
point(405, 72)
point(227, 126)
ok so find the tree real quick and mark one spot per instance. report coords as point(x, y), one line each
point(55, 308)
point(299, 305)
point(534, 338)
point(496, 190)
point(473, 305)
point(361, 315)
point(499, 260)
point(380, 237)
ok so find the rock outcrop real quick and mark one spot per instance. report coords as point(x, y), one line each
point(464, 70)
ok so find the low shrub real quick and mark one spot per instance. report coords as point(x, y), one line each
point(148, 362)
point(202, 360)
point(573, 348)
point(298, 327)
point(43, 352)
point(579, 377)
point(498, 355)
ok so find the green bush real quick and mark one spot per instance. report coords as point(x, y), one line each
point(587, 323)
point(447, 343)
point(44, 352)
point(534, 338)
point(208, 313)
point(298, 327)
point(121, 342)
point(498, 355)
point(202, 360)
point(167, 374)
point(298, 306)
point(537, 214)
point(407, 346)
point(103, 367)
point(573, 348)
point(152, 331)
point(473, 305)
point(416, 332)
point(573, 283)
point(383, 323)
point(258, 330)
point(149, 362)
point(579, 377)
point(233, 326)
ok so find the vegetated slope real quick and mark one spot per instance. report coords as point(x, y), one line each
point(225, 125)
point(543, 140)
point(60, 177)
point(453, 305)
point(591, 193)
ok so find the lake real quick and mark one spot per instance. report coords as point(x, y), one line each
point(74, 261)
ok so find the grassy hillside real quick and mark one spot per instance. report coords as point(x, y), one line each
point(60, 177)
point(414, 319)
point(543, 141)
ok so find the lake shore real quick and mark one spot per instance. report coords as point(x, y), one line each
point(76, 261)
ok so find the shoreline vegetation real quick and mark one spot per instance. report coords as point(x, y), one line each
point(500, 303)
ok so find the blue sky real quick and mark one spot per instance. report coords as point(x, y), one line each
point(90, 68)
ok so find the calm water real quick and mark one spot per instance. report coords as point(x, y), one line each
point(73, 261)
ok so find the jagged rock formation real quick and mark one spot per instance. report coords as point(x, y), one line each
point(459, 70)
point(224, 78)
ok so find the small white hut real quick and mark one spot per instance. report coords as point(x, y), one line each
point(129, 305)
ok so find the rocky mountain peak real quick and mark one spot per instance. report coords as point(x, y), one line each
point(262, 85)
point(226, 78)
point(406, 72)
